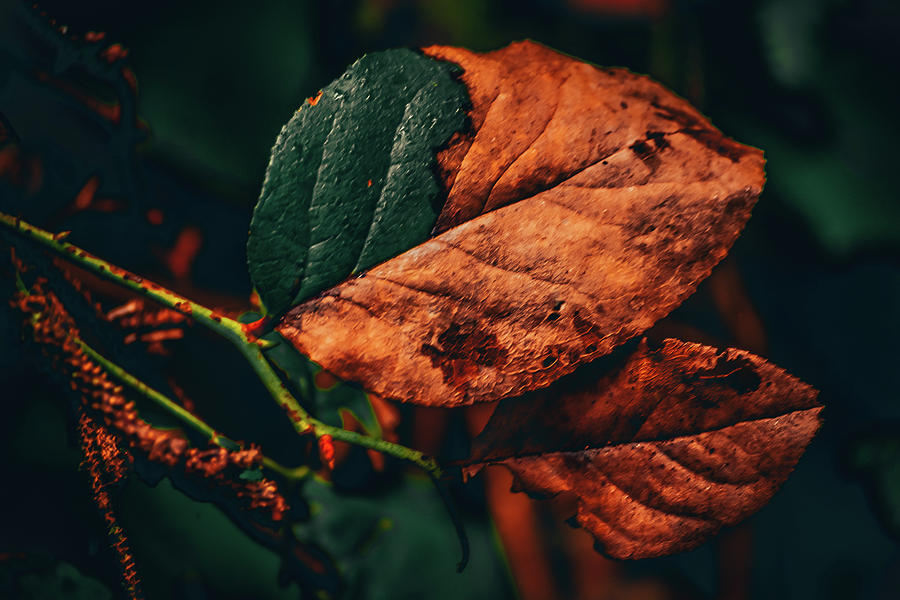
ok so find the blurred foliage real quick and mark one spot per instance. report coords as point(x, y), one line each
point(258, 57)
point(876, 460)
point(186, 548)
point(836, 179)
point(394, 544)
point(41, 578)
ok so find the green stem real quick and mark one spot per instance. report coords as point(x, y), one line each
point(295, 474)
point(178, 411)
point(145, 390)
point(224, 326)
point(305, 423)
point(237, 333)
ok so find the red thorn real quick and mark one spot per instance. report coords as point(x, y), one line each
point(260, 327)
point(326, 451)
point(114, 52)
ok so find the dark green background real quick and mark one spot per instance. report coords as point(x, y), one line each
point(812, 82)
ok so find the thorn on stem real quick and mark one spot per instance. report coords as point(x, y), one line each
point(260, 327)
point(326, 451)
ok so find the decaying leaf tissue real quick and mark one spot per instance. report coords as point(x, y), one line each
point(580, 206)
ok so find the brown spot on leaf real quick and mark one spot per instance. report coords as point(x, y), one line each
point(658, 139)
point(460, 349)
point(642, 149)
point(582, 326)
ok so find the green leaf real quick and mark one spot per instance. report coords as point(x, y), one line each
point(251, 474)
point(294, 367)
point(39, 577)
point(171, 533)
point(350, 181)
point(331, 403)
point(400, 544)
point(875, 459)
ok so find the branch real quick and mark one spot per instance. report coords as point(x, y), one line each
point(179, 412)
point(237, 333)
point(220, 324)
point(244, 337)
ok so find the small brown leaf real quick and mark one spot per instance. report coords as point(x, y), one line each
point(583, 205)
point(663, 450)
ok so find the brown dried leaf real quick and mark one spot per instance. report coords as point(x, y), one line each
point(663, 450)
point(583, 205)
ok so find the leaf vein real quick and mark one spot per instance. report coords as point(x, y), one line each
point(606, 446)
